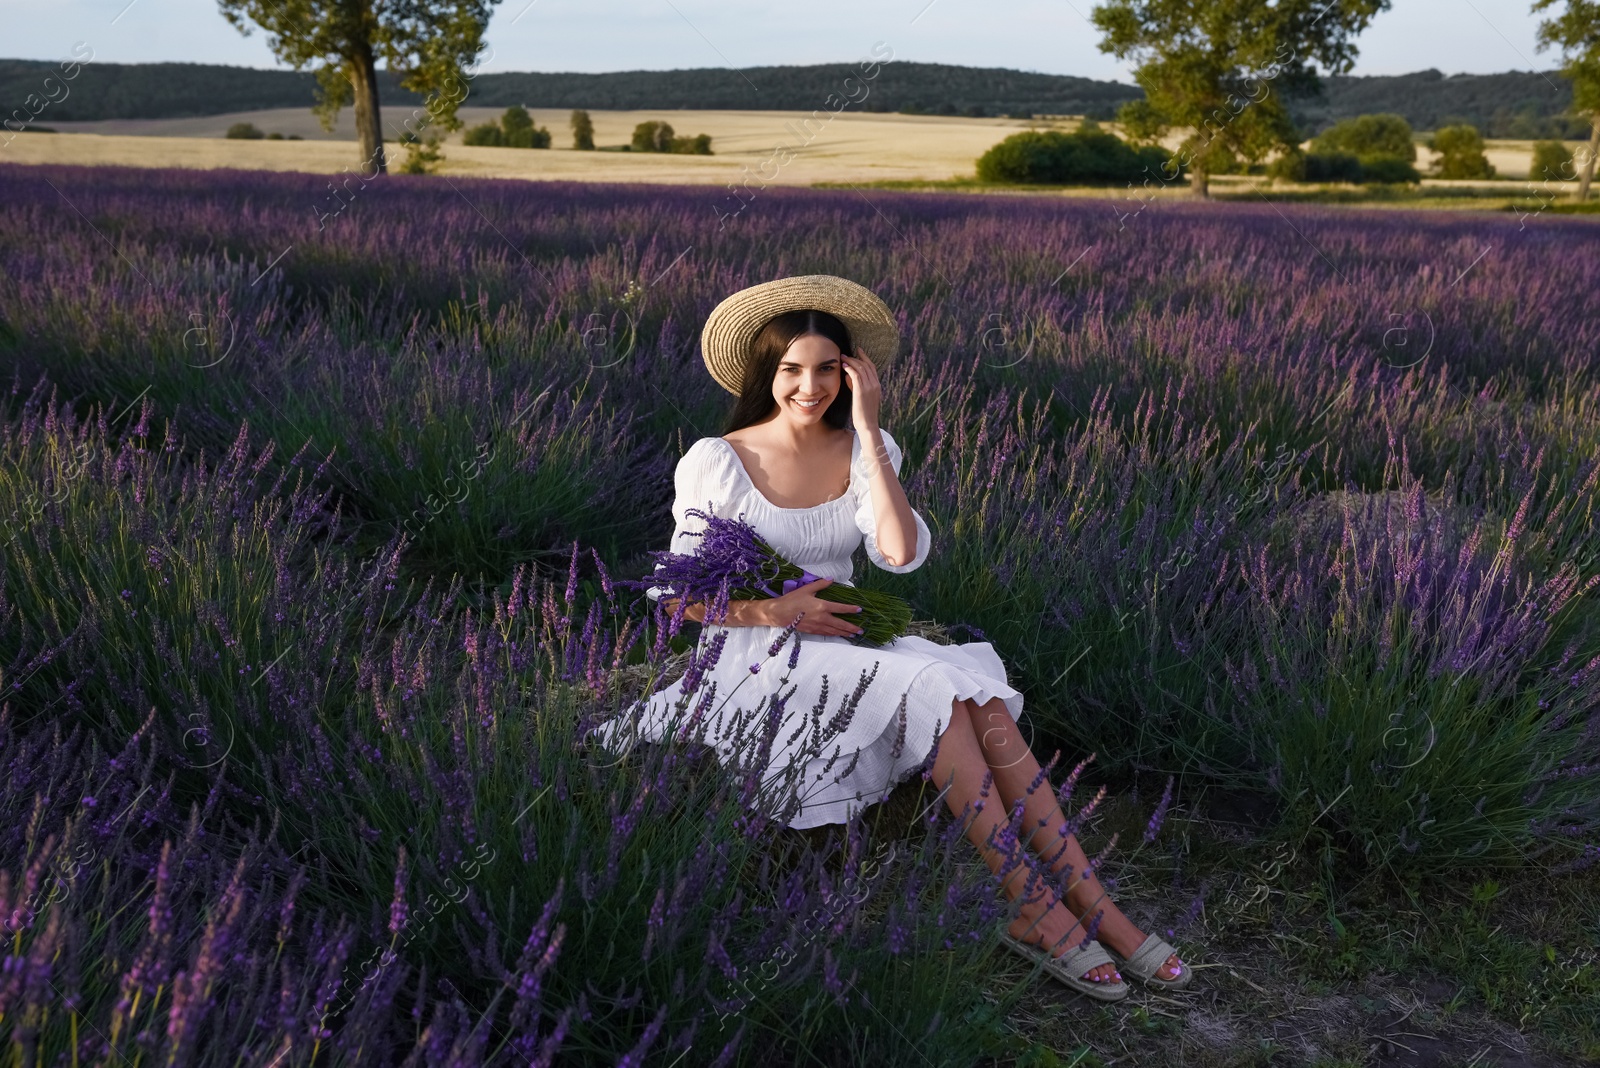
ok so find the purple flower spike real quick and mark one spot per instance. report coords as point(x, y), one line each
point(572, 577)
point(1154, 825)
point(397, 907)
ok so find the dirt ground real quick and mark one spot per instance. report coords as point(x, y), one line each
point(826, 147)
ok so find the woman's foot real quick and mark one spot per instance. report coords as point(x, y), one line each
point(1046, 923)
point(1116, 932)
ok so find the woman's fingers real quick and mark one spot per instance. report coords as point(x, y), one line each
point(825, 622)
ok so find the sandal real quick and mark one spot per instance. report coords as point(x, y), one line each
point(1069, 968)
point(1150, 956)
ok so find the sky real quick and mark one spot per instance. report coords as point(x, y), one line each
point(1048, 36)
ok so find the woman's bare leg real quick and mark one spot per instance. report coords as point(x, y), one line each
point(960, 764)
point(1015, 767)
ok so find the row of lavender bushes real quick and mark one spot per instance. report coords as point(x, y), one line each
point(1303, 508)
point(1350, 346)
point(266, 806)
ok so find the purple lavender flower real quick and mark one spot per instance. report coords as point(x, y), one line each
point(1156, 819)
point(397, 907)
point(734, 562)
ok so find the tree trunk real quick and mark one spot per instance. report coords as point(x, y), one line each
point(1588, 164)
point(369, 131)
point(1200, 181)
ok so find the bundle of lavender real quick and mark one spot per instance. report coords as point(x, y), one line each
point(735, 563)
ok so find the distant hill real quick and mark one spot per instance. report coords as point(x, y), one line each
point(1514, 104)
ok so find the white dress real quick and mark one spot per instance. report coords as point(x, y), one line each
point(824, 765)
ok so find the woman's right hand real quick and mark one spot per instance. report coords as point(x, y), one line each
point(821, 617)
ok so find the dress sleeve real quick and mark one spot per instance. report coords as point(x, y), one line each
point(866, 517)
point(704, 480)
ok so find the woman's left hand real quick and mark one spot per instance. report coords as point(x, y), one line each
point(865, 391)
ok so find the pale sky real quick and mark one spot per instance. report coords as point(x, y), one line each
point(1050, 36)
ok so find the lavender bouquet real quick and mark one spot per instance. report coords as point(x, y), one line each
point(736, 563)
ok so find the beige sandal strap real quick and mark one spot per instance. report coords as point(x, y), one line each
point(1151, 955)
point(1079, 960)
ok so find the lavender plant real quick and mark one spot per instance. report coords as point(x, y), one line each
point(402, 863)
point(1309, 510)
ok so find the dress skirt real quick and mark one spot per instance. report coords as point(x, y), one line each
point(843, 726)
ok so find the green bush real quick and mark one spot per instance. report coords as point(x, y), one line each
point(1369, 135)
point(534, 137)
point(1088, 154)
point(1298, 166)
point(656, 136)
point(1332, 167)
point(1552, 161)
point(244, 131)
point(1290, 166)
point(698, 145)
point(652, 136)
point(487, 133)
point(1386, 168)
point(422, 156)
point(1460, 151)
point(514, 130)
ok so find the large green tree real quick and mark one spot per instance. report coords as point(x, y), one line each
point(1576, 31)
point(427, 42)
point(1223, 68)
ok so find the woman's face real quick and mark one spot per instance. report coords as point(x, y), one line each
point(809, 378)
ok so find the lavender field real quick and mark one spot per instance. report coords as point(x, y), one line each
point(317, 511)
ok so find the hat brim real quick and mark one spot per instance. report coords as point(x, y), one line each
point(732, 326)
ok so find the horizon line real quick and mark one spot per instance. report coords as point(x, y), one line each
point(280, 68)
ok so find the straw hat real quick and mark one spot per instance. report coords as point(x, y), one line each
point(734, 323)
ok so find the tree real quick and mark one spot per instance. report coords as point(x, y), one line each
point(427, 42)
point(1196, 60)
point(1369, 135)
point(514, 130)
point(652, 137)
point(1460, 151)
point(1577, 33)
point(582, 131)
point(519, 130)
point(244, 131)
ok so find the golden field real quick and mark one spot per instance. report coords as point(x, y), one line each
point(849, 146)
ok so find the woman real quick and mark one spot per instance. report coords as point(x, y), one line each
point(804, 460)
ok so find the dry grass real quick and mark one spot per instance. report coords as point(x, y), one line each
point(1272, 986)
point(849, 147)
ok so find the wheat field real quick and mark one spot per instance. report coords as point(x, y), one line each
point(825, 147)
